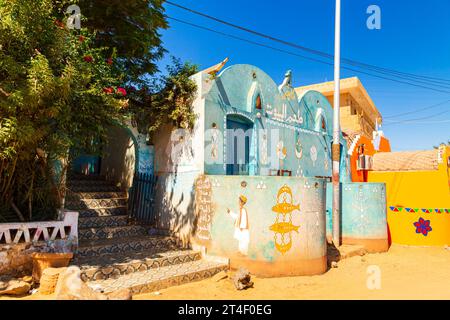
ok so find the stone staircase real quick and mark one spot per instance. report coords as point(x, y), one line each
point(115, 252)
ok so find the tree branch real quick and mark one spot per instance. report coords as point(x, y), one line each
point(4, 92)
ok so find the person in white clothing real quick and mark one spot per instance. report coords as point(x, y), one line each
point(241, 226)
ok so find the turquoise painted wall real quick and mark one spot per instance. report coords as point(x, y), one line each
point(299, 121)
point(301, 199)
point(363, 210)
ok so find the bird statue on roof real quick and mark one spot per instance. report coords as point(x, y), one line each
point(287, 80)
point(216, 68)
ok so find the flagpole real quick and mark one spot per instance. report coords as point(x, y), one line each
point(336, 148)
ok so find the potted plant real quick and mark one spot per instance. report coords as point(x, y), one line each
point(43, 260)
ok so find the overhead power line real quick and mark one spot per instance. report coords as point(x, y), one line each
point(431, 81)
point(303, 56)
point(418, 119)
point(417, 110)
point(323, 62)
point(418, 122)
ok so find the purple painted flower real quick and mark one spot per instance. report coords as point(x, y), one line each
point(423, 226)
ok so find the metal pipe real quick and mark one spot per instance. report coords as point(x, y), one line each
point(336, 148)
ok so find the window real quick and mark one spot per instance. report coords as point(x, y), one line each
point(323, 124)
point(258, 104)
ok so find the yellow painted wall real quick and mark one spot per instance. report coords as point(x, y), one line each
point(418, 189)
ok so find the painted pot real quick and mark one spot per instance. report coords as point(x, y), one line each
point(43, 260)
point(273, 226)
point(363, 215)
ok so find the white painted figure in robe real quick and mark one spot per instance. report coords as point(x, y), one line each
point(241, 226)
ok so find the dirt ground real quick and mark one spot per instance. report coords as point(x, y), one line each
point(406, 273)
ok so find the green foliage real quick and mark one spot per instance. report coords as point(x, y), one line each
point(172, 102)
point(60, 90)
point(131, 27)
point(52, 98)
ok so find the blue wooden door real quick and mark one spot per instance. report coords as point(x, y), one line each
point(86, 164)
point(238, 147)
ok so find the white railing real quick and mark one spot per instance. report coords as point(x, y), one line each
point(353, 146)
point(24, 232)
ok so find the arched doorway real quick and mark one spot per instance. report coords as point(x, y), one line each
point(239, 132)
point(117, 162)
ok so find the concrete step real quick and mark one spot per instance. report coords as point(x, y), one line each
point(91, 177)
point(92, 187)
point(95, 203)
point(122, 232)
point(71, 196)
point(91, 248)
point(103, 212)
point(163, 277)
point(102, 221)
point(112, 266)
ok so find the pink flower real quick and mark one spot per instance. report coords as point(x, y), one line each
point(121, 91)
point(88, 58)
point(59, 24)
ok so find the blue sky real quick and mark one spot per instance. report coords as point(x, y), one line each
point(414, 38)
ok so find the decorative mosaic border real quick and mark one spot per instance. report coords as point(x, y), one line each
point(416, 210)
point(103, 221)
point(96, 203)
point(111, 232)
point(114, 271)
point(146, 243)
point(103, 212)
point(144, 282)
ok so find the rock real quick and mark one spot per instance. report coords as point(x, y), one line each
point(49, 279)
point(220, 276)
point(71, 287)
point(242, 279)
point(16, 288)
point(334, 264)
point(96, 288)
point(4, 283)
point(122, 294)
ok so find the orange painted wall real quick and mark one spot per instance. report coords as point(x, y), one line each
point(361, 176)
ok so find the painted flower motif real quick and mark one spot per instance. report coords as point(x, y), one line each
point(121, 91)
point(109, 61)
point(88, 58)
point(423, 226)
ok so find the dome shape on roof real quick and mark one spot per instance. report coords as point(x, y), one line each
point(406, 161)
